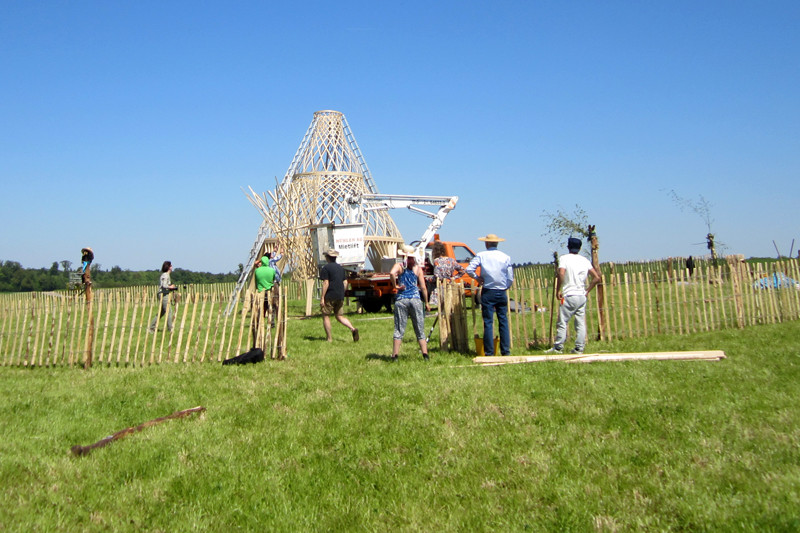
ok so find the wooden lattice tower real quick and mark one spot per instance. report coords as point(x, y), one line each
point(327, 167)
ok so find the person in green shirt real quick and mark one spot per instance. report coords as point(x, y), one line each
point(265, 275)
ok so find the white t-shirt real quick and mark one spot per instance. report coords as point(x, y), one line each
point(576, 269)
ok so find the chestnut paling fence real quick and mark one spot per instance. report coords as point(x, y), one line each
point(641, 299)
point(55, 328)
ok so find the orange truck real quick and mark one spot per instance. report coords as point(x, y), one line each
point(374, 291)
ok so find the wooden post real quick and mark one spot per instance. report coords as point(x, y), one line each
point(87, 283)
point(280, 333)
point(35, 328)
point(795, 295)
point(534, 312)
point(698, 280)
point(627, 315)
point(521, 293)
point(61, 305)
point(510, 324)
point(736, 284)
point(550, 338)
point(641, 280)
point(680, 283)
point(108, 300)
point(187, 299)
point(601, 290)
point(462, 320)
point(309, 295)
point(610, 303)
point(715, 279)
point(445, 312)
point(647, 283)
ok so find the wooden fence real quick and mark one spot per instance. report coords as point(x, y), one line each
point(639, 302)
point(41, 329)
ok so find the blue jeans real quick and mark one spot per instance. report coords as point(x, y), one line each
point(495, 300)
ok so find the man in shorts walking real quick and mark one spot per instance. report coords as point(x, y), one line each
point(333, 287)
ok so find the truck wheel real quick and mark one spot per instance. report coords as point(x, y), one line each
point(371, 305)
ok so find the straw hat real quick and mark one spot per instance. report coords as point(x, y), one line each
point(330, 252)
point(491, 238)
point(405, 250)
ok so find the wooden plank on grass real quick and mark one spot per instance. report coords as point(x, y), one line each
point(704, 355)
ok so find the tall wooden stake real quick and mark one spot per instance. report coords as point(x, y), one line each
point(550, 337)
point(87, 282)
point(601, 291)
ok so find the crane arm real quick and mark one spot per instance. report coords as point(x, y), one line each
point(359, 204)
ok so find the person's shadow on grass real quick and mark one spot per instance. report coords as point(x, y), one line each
point(379, 357)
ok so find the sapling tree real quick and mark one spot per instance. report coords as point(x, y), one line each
point(702, 208)
point(561, 225)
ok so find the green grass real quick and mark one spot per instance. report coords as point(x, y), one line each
point(338, 438)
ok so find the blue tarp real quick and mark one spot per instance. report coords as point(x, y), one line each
point(777, 281)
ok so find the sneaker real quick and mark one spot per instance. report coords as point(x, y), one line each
point(554, 350)
point(576, 351)
point(355, 335)
point(394, 358)
point(426, 357)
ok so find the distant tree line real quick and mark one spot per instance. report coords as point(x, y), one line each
point(15, 278)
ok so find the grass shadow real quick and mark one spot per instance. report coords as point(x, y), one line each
point(378, 357)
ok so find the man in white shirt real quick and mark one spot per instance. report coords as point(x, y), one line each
point(571, 289)
point(496, 277)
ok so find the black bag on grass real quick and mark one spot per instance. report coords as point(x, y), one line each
point(256, 355)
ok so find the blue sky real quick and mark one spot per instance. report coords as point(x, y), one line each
point(131, 127)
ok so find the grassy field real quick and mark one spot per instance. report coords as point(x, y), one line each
point(337, 437)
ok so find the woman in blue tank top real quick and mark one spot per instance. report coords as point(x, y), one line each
point(407, 277)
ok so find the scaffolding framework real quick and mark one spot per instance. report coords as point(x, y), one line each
point(327, 168)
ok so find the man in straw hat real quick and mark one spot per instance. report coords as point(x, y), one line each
point(333, 287)
point(409, 280)
point(571, 290)
point(496, 278)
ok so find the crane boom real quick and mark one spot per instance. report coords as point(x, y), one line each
point(359, 204)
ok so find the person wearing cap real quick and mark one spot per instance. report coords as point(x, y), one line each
point(333, 286)
point(571, 290)
point(496, 277)
point(409, 280)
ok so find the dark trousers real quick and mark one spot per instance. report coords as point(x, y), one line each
point(495, 300)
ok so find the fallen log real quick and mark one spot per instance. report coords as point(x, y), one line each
point(703, 355)
point(83, 450)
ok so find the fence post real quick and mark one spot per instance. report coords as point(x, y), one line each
point(87, 281)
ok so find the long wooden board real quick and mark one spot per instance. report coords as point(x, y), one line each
point(702, 355)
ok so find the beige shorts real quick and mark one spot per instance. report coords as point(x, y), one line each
point(332, 307)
